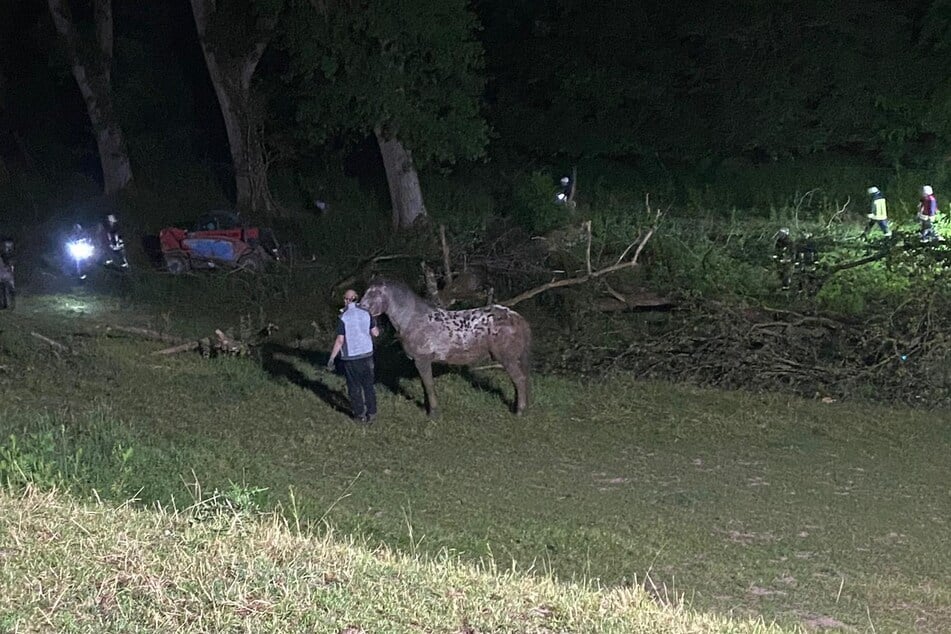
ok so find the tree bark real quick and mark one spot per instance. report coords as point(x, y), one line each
point(405, 193)
point(231, 78)
point(93, 75)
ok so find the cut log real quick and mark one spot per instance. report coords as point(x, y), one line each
point(182, 347)
point(229, 345)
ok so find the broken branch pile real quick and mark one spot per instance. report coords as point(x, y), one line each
point(220, 343)
point(904, 357)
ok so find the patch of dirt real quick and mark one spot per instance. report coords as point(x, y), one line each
point(820, 622)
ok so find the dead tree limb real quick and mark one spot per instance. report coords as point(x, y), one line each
point(229, 345)
point(854, 263)
point(574, 186)
point(432, 286)
point(145, 333)
point(182, 347)
point(447, 270)
point(838, 213)
point(618, 301)
point(53, 344)
point(351, 279)
point(574, 281)
point(587, 249)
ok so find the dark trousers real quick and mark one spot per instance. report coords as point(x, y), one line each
point(359, 373)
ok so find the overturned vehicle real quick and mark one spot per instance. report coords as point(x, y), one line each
point(219, 239)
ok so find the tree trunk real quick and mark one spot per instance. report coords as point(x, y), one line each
point(247, 157)
point(231, 78)
point(94, 77)
point(401, 176)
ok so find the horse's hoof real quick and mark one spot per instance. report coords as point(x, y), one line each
point(433, 414)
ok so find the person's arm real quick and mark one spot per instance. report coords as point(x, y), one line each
point(338, 344)
point(374, 329)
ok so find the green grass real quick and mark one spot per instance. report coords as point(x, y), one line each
point(750, 505)
point(158, 571)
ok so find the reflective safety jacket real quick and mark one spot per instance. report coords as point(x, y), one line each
point(879, 211)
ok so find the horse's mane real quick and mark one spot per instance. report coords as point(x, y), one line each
point(401, 288)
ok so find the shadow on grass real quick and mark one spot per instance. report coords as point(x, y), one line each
point(392, 368)
point(281, 368)
point(486, 384)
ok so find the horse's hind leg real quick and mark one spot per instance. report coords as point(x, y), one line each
point(519, 375)
point(425, 369)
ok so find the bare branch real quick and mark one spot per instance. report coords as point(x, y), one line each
point(587, 253)
point(838, 213)
point(182, 347)
point(574, 281)
point(145, 333)
point(53, 344)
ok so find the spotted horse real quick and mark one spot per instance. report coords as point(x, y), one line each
point(455, 337)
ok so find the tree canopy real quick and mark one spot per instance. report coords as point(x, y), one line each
point(409, 67)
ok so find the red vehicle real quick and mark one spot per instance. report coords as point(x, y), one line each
point(219, 239)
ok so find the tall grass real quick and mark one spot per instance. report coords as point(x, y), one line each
point(98, 568)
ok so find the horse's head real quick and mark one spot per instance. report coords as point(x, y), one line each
point(375, 299)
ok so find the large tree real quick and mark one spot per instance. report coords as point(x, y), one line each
point(406, 71)
point(90, 60)
point(234, 35)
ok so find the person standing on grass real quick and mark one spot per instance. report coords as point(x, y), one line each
point(356, 329)
point(878, 214)
point(928, 214)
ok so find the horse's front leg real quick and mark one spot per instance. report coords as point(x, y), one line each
point(425, 369)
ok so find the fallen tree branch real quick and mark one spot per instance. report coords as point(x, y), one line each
point(620, 302)
point(145, 333)
point(229, 345)
point(182, 347)
point(53, 344)
point(222, 343)
point(587, 250)
point(854, 263)
point(447, 270)
point(351, 279)
point(574, 281)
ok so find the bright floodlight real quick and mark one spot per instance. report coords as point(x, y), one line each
point(80, 250)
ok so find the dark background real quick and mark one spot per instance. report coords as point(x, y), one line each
point(676, 97)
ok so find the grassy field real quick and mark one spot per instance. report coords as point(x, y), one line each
point(153, 571)
point(812, 514)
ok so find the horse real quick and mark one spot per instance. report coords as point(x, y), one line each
point(455, 337)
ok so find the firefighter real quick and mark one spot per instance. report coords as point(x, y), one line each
point(784, 254)
point(928, 214)
point(878, 213)
point(116, 245)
